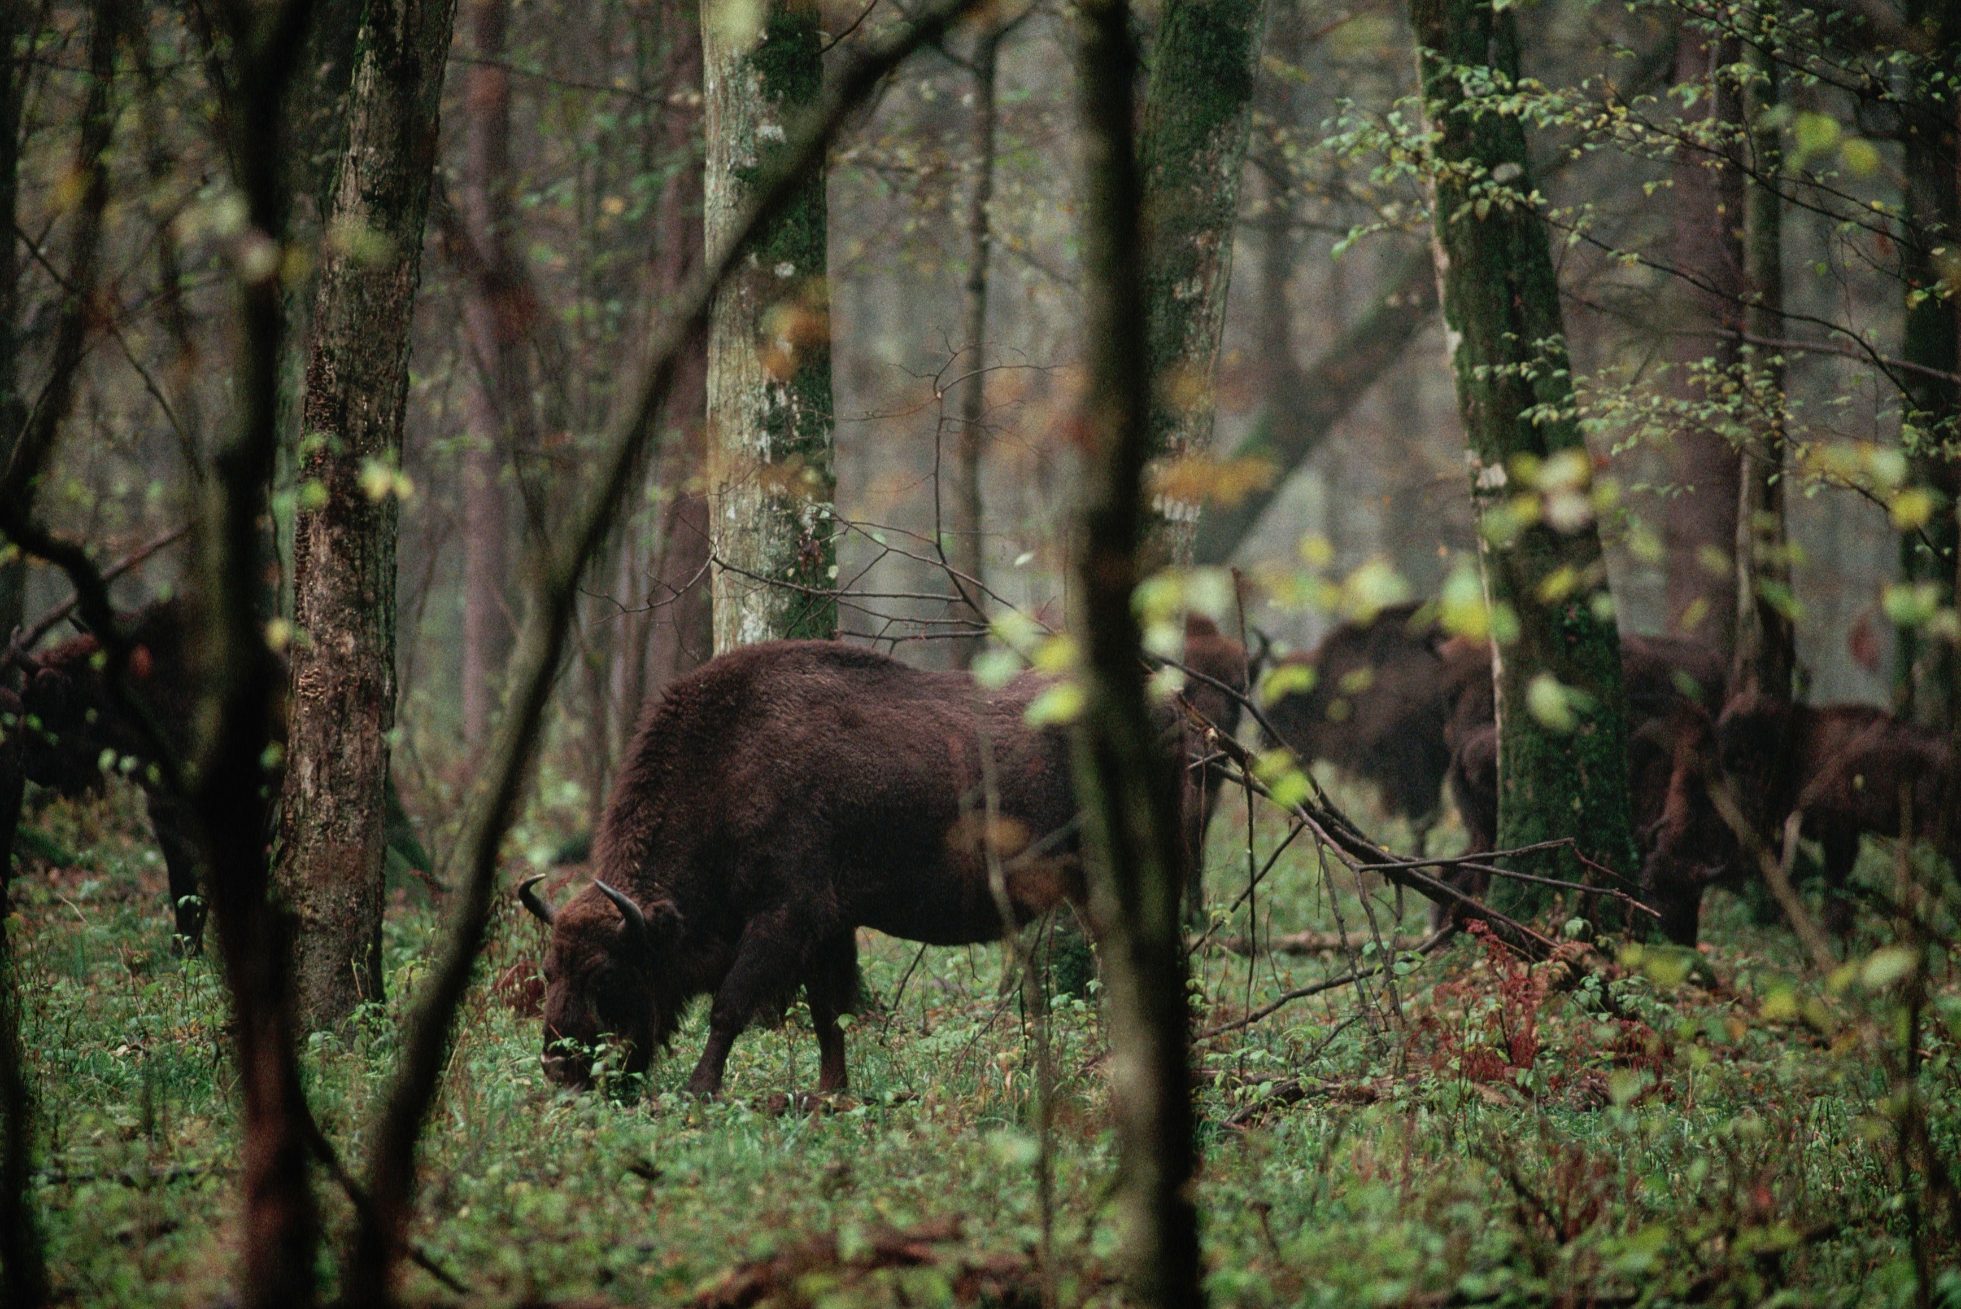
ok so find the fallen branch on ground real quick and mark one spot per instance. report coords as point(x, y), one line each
point(1313, 943)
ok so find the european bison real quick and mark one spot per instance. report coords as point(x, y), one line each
point(74, 726)
point(1376, 710)
point(771, 803)
point(1850, 770)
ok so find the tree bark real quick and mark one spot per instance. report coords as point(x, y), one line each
point(497, 309)
point(769, 344)
point(1763, 660)
point(1192, 149)
point(965, 535)
point(1927, 669)
point(1320, 397)
point(1562, 756)
point(1129, 788)
point(332, 812)
point(23, 1271)
point(1698, 525)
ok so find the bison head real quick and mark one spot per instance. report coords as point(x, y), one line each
point(60, 746)
point(602, 980)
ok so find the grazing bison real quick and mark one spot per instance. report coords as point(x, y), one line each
point(75, 728)
point(771, 803)
point(1849, 770)
point(1667, 681)
point(1377, 709)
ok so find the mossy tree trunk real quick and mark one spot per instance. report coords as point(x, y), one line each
point(1698, 525)
point(769, 344)
point(1192, 148)
point(1763, 660)
point(1927, 668)
point(1129, 788)
point(1562, 721)
point(332, 825)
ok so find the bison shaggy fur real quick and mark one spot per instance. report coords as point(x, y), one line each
point(771, 803)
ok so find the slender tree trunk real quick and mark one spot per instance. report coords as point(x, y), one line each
point(332, 812)
point(966, 538)
point(1928, 669)
point(682, 631)
point(1129, 788)
point(1192, 149)
point(497, 310)
point(230, 797)
point(1698, 525)
point(1561, 710)
point(1319, 397)
point(1764, 658)
point(23, 1273)
point(13, 405)
point(769, 346)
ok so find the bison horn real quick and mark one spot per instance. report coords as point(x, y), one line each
point(635, 920)
point(529, 898)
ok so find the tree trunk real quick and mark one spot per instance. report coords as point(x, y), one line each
point(769, 344)
point(1764, 658)
point(1129, 789)
point(23, 1272)
point(1698, 525)
point(1320, 397)
point(1927, 669)
point(332, 812)
point(965, 535)
point(497, 310)
point(1562, 742)
point(1192, 148)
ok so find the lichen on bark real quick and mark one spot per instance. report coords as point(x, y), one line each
point(769, 351)
point(1192, 143)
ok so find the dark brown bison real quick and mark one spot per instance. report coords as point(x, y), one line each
point(771, 803)
point(1849, 770)
point(1668, 682)
point(1377, 709)
point(75, 728)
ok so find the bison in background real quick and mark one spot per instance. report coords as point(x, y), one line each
point(1847, 771)
point(75, 729)
point(1377, 710)
point(771, 803)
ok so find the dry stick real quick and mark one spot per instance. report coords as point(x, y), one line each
point(1316, 988)
point(378, 1243)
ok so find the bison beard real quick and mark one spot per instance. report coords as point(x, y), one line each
point(773, 802)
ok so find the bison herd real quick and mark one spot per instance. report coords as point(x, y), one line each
point(1396, 702)
point(787, 794)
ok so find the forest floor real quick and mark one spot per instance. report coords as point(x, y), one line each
point(1682, 1128)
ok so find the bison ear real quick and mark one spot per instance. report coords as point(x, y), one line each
point(646, 928)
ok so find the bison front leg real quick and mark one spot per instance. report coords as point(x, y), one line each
point(770, 960)
point(172, 823)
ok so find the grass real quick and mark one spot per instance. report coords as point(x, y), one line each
point(1470, 1132)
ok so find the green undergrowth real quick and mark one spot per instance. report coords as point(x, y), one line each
point(1459, 1129)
